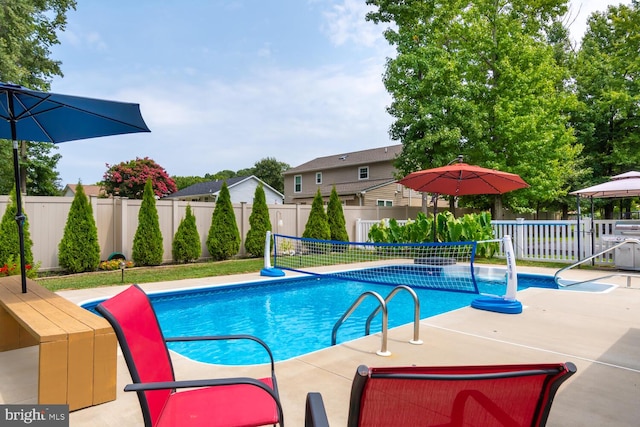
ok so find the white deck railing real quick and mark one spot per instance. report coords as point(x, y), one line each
point(555, 241)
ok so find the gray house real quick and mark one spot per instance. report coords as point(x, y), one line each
point(361, 178)
point(241, 189)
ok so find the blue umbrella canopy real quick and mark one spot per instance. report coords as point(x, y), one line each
point(30, 115)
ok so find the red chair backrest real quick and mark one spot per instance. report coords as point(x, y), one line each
point(503, 395)
point(132, 317)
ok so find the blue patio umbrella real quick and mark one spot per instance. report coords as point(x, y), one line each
point(29, 115)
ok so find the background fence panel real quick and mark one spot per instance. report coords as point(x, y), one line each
point(117, 221)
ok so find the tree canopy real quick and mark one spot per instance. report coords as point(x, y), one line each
point(482, 80)
point(39, 177)
point(28, 30)
point(269, 170)
point(607, 73)
point(128, 179)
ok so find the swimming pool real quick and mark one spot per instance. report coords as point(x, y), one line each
point(295, 316)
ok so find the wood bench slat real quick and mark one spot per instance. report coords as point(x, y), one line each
point(77, 360)
point(36, 323)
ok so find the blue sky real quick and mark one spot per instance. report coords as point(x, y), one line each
point(223, 84)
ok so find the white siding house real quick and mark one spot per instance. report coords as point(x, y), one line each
point(241, 190)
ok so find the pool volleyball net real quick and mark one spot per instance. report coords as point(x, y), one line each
point(440, 266)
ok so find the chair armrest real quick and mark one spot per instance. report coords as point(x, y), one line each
point(315, 415)
point(232, 337)
point(224, 338)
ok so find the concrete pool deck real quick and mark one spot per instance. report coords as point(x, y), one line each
point(599, 332)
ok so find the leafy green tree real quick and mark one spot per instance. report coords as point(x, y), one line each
point(223, 240)
point(607, 74)
point(317, 226)
point(79, 249)
point(245, 172)
point(147, 242)
point(271, 172)
point(187, 181)
point(259, 224)
point(28, 30)
point(186, 242)
point(335, 218)
point(9, 239)
point(128, 179)
point(481, 79)
point(221, 176)
point(38, 169)
point(268, 170)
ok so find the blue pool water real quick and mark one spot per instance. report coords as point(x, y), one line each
point(295, 316)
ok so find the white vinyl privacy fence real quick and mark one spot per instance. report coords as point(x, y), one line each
point(554, 241)
point(117, 221)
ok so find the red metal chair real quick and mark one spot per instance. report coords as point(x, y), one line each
point(212, 402)
point(500, 395)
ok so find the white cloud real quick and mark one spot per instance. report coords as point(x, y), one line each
point(345, 23)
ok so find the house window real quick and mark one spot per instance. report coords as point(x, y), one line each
point(387, 203)
point(297, 183)
point(363, 172)
point(318, 177)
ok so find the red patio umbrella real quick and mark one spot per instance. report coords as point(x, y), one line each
point(461, 179)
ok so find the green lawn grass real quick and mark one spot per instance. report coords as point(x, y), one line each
point(162, 273)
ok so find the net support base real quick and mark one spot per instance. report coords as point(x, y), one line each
point(271, 272)
point(497, 304)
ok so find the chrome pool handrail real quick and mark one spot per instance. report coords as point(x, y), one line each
point(416, 312)
point(383, 349)
point(557, 277)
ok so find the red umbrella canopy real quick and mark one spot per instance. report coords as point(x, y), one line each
point(461, 179)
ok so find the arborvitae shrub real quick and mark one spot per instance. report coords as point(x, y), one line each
point(335, 217)
point(223, 240)
point(186, 242)
point(259, 223)
point(79, 249)
point(147, 242)
point(317, 226)
point(10, 242)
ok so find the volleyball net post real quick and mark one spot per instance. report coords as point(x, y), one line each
point(507, 303)
point(268, 270)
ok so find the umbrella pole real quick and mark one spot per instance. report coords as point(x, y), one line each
point(435, 213)
point(19, 216)
point(593, 234)
point(578, 225)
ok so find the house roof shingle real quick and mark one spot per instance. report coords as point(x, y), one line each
point(381, 154)
point(205, 188)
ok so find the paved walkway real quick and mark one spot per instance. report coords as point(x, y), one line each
point(599, 332)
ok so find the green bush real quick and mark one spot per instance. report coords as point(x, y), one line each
point(147, 242)
point(259, 224)
point(79, 250)
point(223, 240)
point(10, 243)
point(470, 227)
point(335, 218)
point(317, 226)
point(186, 242)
